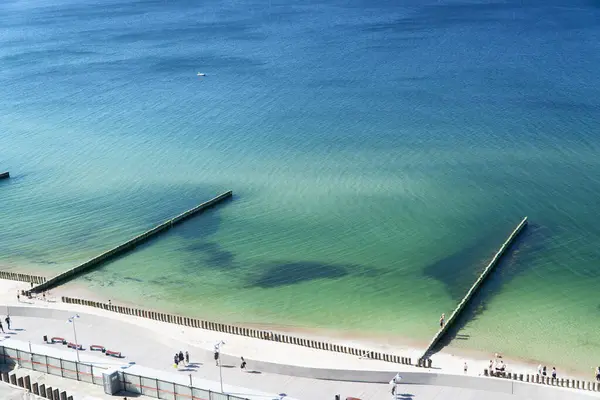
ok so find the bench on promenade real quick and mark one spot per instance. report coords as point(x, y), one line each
point(116, 354)
point(75, 346)
point(97, 347)
point(58, 340)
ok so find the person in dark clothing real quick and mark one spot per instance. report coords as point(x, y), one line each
point(217, 357)
point(243, 364)
point(181, 358)
point(176, 359)
point(187, 358)
point(1, 327)
point(544, 371)
point(8, 321)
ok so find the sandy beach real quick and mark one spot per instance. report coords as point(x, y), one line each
point(278, 352)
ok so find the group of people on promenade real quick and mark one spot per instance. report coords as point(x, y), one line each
point(28, 294)
point(180, 358)
point(543, 371)
point(497, 365)
point(500, 367)
point(218, 357)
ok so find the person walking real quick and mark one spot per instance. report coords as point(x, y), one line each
point(442, 320)
point(181, 358)
point(187, 358)
point(553, 372)
point(175, 360)
point(1, 327)
point(7, 319)
point(598, 374)
point(544, 371)
point(243, 364)
point(217, 357)
point(465, 368)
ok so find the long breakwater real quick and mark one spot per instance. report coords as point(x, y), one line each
point(469, 296)
point(128, 245)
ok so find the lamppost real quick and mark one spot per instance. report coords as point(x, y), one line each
point(395, 381)
point(72, 321)
point(218, 353)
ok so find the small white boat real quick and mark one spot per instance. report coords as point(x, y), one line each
point(201, 74)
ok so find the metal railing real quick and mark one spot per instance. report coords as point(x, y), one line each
point(169, 390)
point(52, 365)
point(90, 373)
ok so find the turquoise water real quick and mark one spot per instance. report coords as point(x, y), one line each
point(379, 154)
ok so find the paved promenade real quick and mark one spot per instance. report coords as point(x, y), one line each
point(147, 349)
point(271, 366)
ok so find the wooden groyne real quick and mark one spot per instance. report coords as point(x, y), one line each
point(4, 175)
point(128, 245)
point(465, 301)
point(15, 276)
point(239, 330)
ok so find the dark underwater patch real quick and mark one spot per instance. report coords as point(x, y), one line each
point(291, 273)
point(215, 256)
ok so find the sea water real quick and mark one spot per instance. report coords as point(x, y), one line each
point(380, 152)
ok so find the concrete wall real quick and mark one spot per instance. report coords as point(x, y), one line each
point(4, 175)
point(486, 272)
point(129, 245)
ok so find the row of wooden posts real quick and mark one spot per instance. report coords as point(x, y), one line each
point(547, 380)
point(237, 330)
point(35, 388)
point(14, 276)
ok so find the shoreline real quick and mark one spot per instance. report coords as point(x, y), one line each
point(395, 344)
point(448, 359)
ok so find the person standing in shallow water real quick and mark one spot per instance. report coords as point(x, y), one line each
point(442, 320)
